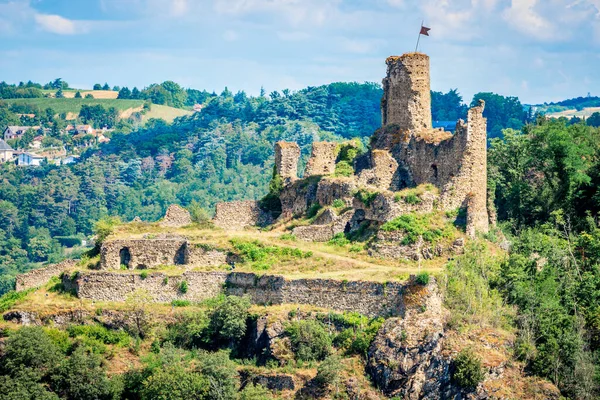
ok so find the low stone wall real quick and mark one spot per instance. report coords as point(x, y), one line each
point(369, 298)
point(198, 256)
point(237, 215)
point(109, 286)
point(142, 253)
point(39, 277)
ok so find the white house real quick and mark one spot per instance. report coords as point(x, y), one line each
point(29, 159)
point(70, 160)
point(6, 152)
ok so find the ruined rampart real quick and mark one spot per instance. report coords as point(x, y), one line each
point(40, 277)
point(322, 159)
point(142, 253)
point(237, 215)
point(369, 298)
point(287, 155)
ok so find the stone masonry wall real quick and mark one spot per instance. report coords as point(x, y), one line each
point(176, 217)
point(237, 215)
point(142, 253)
point(407, 93)
point(369, 298)
point(286, 160)
point(40, 277)
point(322, 159)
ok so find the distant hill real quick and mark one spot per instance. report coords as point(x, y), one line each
point(575, 107)
point(71, 106)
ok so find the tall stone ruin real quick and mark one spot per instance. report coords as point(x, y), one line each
point(405, 152)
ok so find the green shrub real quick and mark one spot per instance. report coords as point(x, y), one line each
point(359, 333)
point(468, 372)
point(271, 201)
point(344, 168)
point(104, 228)
point(416, 226)
point(190, 330)
point(338, 203)
point(422, 278)
point(228, 320)
point(175, 383)
point(180, 303)
point(356, 248)
point(68, 241)
point(313, 210)
point(166, 280)
point(100, 333)
point(183, 287)
point(339, 240)
point(10, 299)
point(30, 347)
point(255, 392)
point(144, 275)
point(328, 372)
point(365, 196)
point(310, 341)
point(221, 373)
point(412, 198)
point(261, 257)
point(288, 236)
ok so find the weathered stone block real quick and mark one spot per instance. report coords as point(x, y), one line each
point(176, 217)
point(237, 215)
point(322, 159)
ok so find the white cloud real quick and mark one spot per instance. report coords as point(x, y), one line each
point(56, 24)
point(523, 17)
point(179, 7)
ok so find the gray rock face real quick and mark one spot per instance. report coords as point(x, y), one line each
point(405, 359)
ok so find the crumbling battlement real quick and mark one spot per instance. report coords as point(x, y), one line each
point(237, 215)
point(287, 155)
point(41, 276)
point(322, 159)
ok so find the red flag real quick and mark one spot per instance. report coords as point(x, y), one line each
point(425, 30)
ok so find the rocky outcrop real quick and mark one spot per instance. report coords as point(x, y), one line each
point(176, 217)
point(390, 245)
point(405, 359)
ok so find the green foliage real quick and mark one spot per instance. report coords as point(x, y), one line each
point(190, 330)
point(261, 257)
point(365, 196)
point(100, 333)
point(10, 299)
point(288, 236)
point(344, 168)
point(183, 287)
point(310, 340)
point(24, 384)
point(271, 201)
point(468, 372)
point(339, 240)
point(328, 372)
point(312, 211)
point(255, 392)
point(144, 275)
point(104, 228)
point(228, 320)
point(180, 303)
point(338, 203)
point(175, 383)
point(359, 332)
point(30, 347)
point(221, 374)
point(501, 113)
point(422, 278)
point(419, 225)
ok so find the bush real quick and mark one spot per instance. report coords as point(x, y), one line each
point(467, 369)
point(228, 320)
point(175, 383)
point(104, 228)
point(418, 225)
point(8, 300)
point(313, 210)
point(144, 275)
point(180, 303)
point(68, 241)
point(30, 347)
point(338, 203)
point(359, 333)
point(365, 196)
point(328, 373)
point(190, 330)
point(422, 278)
point(339, 240)
point(344, 168)
point(310, 341)
point(261, 257)
point(221, 374)
point(255, 392)
point(100, 333)
point(288, 236)
point(183, 287)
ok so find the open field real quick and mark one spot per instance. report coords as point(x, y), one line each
point(74, 105)
point(585, 113)
point(98, 94)
point(71, 107)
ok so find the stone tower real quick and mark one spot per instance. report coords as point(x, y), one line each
point(287, 155)
point(407, 94)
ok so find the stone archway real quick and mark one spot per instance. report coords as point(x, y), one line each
point(125, 256)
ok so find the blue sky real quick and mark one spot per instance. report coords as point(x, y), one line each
point(539, 50)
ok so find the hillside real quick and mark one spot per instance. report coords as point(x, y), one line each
point(71, 107)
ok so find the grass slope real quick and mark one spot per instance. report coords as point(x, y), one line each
point(165, 112)
point(61, 106)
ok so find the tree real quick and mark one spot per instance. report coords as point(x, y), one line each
point(89, 96)
point(221, 374)
point(468, 372)
point(116, 89)
point(97, 86)
point(228, 320)
point(59, 94)
point(175, 383)
point(106, 87)
point(310, 340)
point(594, 120)
point(124, 93)
point(135, 94)
point(78, 95)
point(501, 113)
point(30, 347)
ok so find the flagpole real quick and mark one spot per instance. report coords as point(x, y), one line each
point(419, 37)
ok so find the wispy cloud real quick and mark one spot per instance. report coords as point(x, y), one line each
point(57, 24)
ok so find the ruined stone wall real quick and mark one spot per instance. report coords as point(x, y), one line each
point(199, 256)
point(386, 206)
point(382, 173)
point(287, 155)
point(142, 253)
point(176, 217)
point(407, 93)
point(369, 298)
point(237, 215)
point(322, 159)
point(330, 189)
point(108, 286)
point(297, 196)
point(40, 277)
